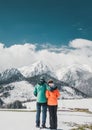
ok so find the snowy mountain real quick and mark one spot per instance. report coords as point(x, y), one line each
point(17, 84)
point(21, 88)
point(79, 78)
point(10, 75)
point(63, 70)
point(37, 68)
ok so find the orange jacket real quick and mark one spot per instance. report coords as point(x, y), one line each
point(52, 97)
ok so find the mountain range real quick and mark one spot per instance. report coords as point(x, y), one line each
point(18, 83)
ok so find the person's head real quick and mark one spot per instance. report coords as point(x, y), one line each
point(51, 83)
point(42, 80)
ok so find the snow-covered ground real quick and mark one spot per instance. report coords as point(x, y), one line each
point(76, 103)
point(67, 120)
point(26, 120)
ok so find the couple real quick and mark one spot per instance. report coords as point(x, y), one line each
point(47, 95)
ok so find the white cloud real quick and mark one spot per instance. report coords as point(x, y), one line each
point(79, 51)
point(16, 55)
point(1, 46)
point(80, 43)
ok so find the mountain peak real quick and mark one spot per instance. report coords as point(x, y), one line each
point(10, 75)
point(72, 69)
point(37, 68)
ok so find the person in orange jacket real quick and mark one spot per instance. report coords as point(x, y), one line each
point(52, 95)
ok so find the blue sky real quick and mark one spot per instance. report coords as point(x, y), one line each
point(45, 21)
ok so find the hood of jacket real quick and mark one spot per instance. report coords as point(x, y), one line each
point(52, 88)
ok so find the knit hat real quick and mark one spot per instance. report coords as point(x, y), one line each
point(50, 81)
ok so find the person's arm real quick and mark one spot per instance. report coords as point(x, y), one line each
point(35, 91)
point(47, 94)
point(58, 93)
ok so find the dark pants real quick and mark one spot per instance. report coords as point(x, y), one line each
point(44, 113)
point(53, 116)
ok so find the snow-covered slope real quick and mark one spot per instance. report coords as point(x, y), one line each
point(63, 70)
point(71, 93)
point(10, 75)
point(22, 91)
point(37, 68)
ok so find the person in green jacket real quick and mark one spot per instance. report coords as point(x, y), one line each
point(39, 92)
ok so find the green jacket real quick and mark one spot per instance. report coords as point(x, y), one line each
point(40, 91)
